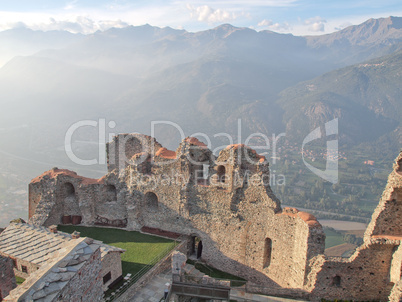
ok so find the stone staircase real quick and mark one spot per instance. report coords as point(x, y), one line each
point(190, 269)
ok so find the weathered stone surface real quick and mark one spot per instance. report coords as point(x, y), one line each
point(7, 277)
point(226, 203)
point(61, 262)
point(178, 262)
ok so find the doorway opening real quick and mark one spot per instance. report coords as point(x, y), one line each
point(196, 247)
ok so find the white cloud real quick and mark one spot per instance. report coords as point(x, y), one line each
point(265, 22)
point(316, 24)
point(15, 25)
point(84, 20)
point(243, 3)
point(282, 27)
point(79, 24)
point(269, 24)
point(71, 5)
point(343, 25)
point(207, 14)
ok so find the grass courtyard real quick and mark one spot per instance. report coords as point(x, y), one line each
point(140, 248)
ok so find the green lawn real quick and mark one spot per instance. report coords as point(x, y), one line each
point(140, 248)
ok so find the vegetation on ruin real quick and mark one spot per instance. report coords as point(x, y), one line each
point(19, 280)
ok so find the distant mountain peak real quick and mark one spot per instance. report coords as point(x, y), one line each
point(226, 30)
point(371, 33)
point(396, 22)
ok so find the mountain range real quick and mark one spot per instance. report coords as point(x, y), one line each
point(204, 82)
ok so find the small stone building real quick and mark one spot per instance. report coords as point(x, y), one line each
point(83, 263)
point(225, 204)
point(7, 277)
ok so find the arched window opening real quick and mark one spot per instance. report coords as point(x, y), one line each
point(68, 199)
point(336, 281)
point(267, 252)
point(147, 167)
point(110, 193)
point(69, 190)
point(221, 172)
point(399, 167)
point(151, 200)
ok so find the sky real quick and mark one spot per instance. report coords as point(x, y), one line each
point(298, 17)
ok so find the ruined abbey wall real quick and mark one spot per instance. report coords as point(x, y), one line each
point(374, 271)
point(223, 201)
point(364, 276)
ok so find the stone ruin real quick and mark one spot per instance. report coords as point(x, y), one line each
point(7, 277)
point(226, 203)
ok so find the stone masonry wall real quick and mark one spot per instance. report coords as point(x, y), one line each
point(396, 293)
point(388, 214)
point(365, 276)
point(7, 277)
point(111, 263)
point(374, 271)
point(228, 205)
point(18, 265)
point(224, 202)
point(86, 285)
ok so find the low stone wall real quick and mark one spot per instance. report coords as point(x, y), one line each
point(279, 292)
point(158, 268)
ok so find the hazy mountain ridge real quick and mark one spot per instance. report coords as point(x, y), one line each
point(373, 38)
point(205, 81)
point(143, 50)
point(24, 41)
point(365, 97)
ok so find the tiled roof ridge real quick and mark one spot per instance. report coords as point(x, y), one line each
point(40, 243)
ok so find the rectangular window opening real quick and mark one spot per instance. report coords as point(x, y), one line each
point(267, 252)
point(107, 277)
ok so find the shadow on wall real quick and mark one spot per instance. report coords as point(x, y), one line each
point(202, 246)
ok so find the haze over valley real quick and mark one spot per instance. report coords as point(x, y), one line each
point(206, 82)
